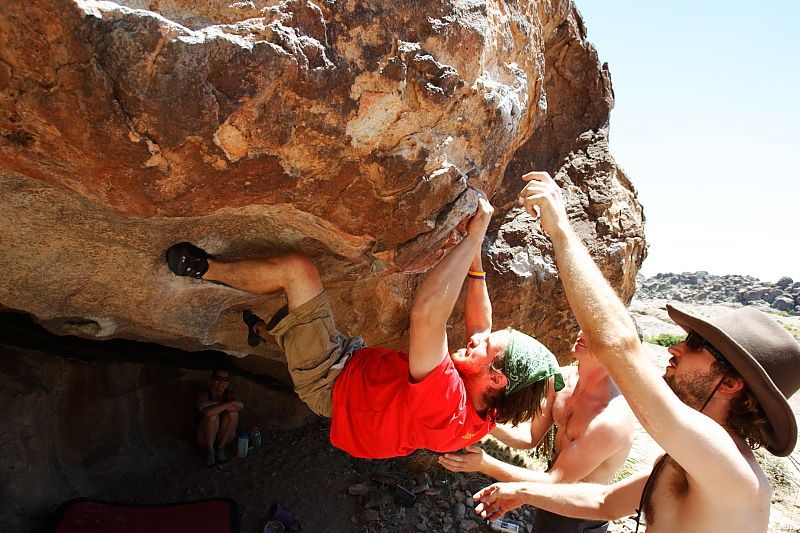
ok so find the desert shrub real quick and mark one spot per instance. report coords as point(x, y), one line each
point(793, 330)
point(665, 339)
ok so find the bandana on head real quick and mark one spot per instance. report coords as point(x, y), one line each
point(528, 361)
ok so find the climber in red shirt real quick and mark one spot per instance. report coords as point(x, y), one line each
point(386, 403)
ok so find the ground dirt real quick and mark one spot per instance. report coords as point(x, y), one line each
point(329, 491)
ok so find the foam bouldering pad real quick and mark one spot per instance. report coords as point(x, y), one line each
point(85, 515)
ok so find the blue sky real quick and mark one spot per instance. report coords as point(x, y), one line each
point(707, 125)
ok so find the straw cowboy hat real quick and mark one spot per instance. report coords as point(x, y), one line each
point(765, 355)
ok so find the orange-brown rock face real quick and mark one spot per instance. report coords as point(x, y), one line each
point(348, 130)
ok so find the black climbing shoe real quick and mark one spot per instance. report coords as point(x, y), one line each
point(251, 319)
point(186, 259)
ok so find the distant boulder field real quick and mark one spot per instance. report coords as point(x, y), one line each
point(702, 287)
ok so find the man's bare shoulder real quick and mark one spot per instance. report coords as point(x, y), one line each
point(618, 411)
point(750, 479)
point(615, 421)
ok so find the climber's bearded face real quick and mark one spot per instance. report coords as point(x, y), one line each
point(479, 363)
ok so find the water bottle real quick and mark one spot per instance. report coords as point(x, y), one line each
point(242, 445)
point(505, 525)
point(255, 437)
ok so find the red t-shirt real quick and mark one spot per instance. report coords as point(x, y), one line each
point(378, 412)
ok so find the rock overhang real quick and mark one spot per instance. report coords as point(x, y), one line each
point(350, 131)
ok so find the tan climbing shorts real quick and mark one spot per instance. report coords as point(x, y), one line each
point(315, 351)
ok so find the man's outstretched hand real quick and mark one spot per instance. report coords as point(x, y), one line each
point(542, 198)
point(483, 214)
point(498, 499)
point(469, 461)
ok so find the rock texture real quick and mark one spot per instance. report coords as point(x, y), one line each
point(702, 287)
point(350, 131)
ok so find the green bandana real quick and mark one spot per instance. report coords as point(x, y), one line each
point(528, 361)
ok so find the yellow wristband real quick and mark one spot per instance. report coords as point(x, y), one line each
point(472, 274)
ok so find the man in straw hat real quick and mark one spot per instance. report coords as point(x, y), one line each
point(385, 403)
point(724, 393)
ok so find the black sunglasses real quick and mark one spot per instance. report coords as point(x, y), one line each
point(695, 342)
point(221, 378)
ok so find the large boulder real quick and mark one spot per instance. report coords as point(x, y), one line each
point(349, 131)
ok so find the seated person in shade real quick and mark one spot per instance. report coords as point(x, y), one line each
point(594, 433)
point(219, 415)
point(386, 403)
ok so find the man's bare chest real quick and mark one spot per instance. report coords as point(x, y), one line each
point(572, 416)
point(670, 488)
point(675, 505)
